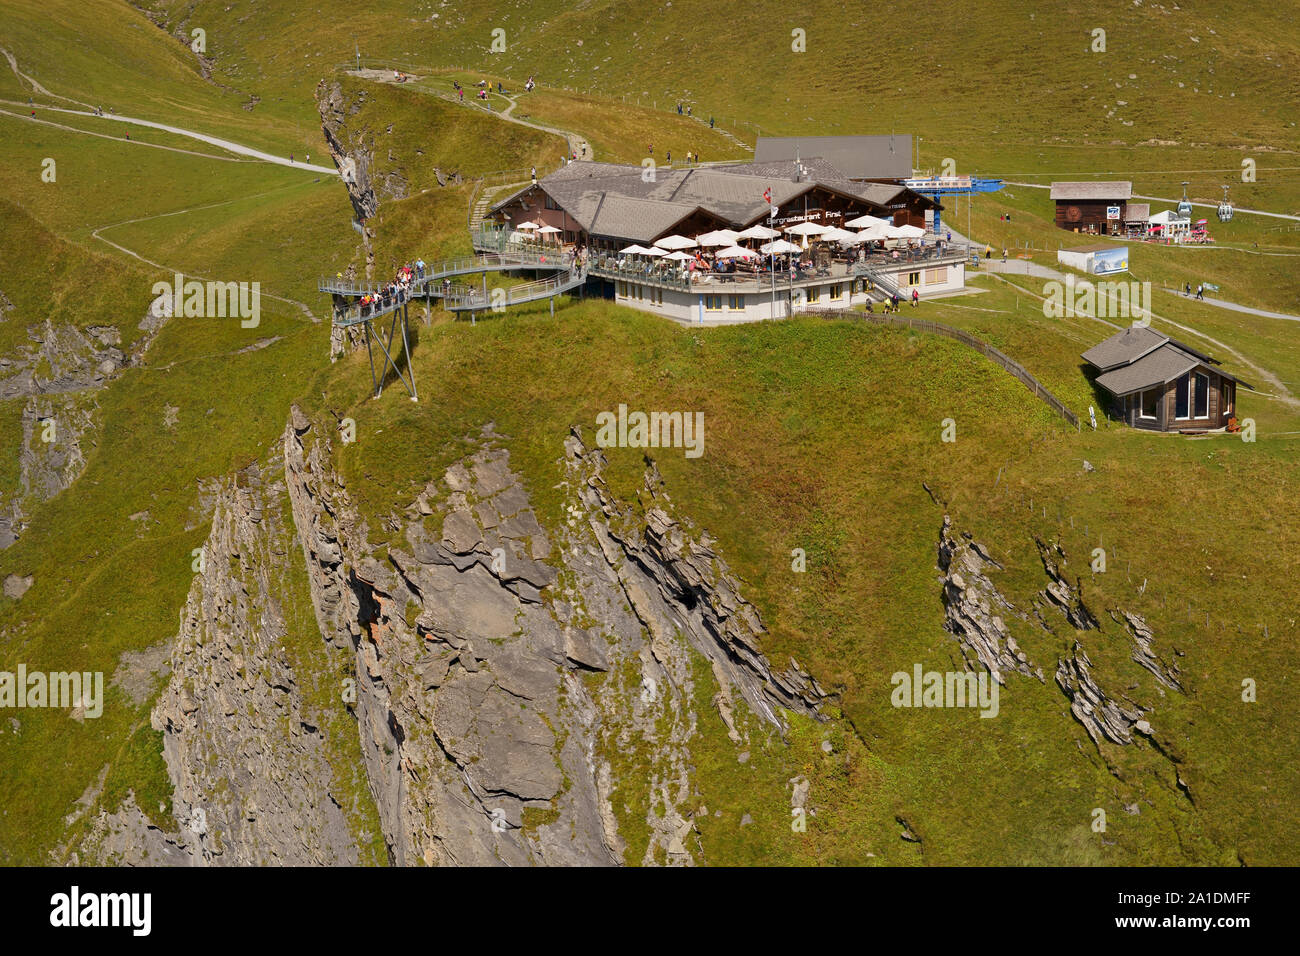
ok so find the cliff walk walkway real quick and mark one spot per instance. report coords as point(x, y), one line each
point(430, 284)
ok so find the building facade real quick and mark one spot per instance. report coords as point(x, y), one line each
point(1093, 208)
point(1158, 384)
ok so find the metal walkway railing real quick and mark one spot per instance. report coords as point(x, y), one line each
point(464, 298)
point(516, 257)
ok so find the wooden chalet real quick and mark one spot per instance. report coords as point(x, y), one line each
point(1160, 384)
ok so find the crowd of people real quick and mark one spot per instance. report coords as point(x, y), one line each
point(393, 293)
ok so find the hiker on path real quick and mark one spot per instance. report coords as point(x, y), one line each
point(710, 122)
point(1004, 253)
point(988, 252)
point(291, 157)
point(916, 297)
point(1200, 291)
point(668, 157)
point(1187, 289)
point(688, 157)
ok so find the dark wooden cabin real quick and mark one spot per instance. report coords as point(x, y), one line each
point(1082, 207)
point(1160, 384)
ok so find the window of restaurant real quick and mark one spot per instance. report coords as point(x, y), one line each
point(736, 303)
point(813, 293)
point(713, 303)
point(913, 278)
point(936, 276)
point(837, 292)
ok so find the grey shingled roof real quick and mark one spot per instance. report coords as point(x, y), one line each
point(1137, 212)
point(857, 157)
point(1124, 347)
point(1163, 365)
point(1113, 190)
point(626, 202)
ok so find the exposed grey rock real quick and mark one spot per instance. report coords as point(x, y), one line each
point(1143, 648)
point(677, 583)
point(1100, 715)
point(16, 585)
point(974, 607)
point(245, 753)
point(1059, 592)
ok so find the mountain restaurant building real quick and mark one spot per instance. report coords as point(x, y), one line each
point(603, 208)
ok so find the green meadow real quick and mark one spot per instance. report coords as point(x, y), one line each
point(821, 435)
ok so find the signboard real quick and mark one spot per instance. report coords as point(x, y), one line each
point(1109, 261)
point(1112, 212)
point(938, 182)
point(1210, 287)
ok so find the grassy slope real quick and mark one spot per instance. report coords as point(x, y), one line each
point(824, 431)
point(798, 415)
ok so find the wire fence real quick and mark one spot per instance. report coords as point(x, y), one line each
point(938, 328)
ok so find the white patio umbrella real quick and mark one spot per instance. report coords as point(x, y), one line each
point(529, 225)
point(805, 229)
point(679, 256)
point(872, 233)
point(736, 252)
point(548, 229)
point(862, 222)
point(675, 242)
point(836, 234)
point(719, 237)
point(758, 232)
point(777, 248)
point(634, 250)
point(906, 232)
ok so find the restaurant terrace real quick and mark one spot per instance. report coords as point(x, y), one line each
point(733, 243)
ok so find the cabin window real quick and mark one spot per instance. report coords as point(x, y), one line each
point(936, 276)
point(735, 303)
point(713, 303)
point(814, 293)
point(551, 203)
point(1182, 398)
point(913, 278)
point(836, 292)
point(621, 289)
point(1227, 398)
point(1150, 403)
point(1202, 395)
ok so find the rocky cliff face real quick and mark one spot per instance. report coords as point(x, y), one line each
point(353, 157)
point(245, 751)
point(486, 672)
point(59, 374)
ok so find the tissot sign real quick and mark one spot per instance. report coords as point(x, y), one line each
point(938, 182)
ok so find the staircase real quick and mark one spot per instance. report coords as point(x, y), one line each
point(485, 196)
